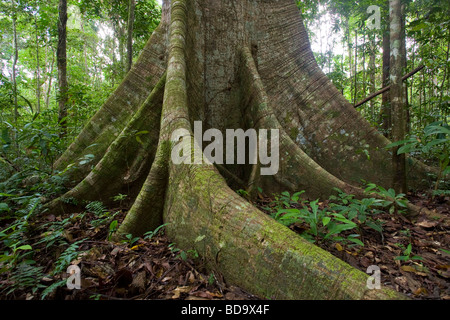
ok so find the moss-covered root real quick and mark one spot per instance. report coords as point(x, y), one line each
point(250, 249)
point(146, 214)
point(120, 107)
point(297, 170)
point(126, 162)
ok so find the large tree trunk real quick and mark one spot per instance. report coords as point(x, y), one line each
point(231, 64)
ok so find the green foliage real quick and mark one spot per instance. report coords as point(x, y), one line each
point(391, 201)
point(130, 240)
point(113, 226)
point(184, 255)
point(322, 223)
point(434, 143)
point(70, 254)
point(150, 234)
point(407, 254)
point(26, 276)
point(342, 215)
point(363, 210)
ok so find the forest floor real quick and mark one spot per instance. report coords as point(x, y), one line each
point(134, 269)
point(154, 268)
point(423, 273)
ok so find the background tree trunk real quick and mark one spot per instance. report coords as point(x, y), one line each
point(386, 118)
point(372, 75)
point(397, 94)
point(15, 58)
point(38, 70)
point(61, 55)
point(131, 8)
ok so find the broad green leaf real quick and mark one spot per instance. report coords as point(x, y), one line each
point(24, 247)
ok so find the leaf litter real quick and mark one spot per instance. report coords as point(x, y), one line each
point(148, 269)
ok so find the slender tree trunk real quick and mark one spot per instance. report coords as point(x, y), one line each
point(50, 80)
point(404, 54)
point(131, 8)
point(386, 118)
point(232, 64)
point(397, 94)
point(86, 68)
point(38, 70)
point(372, 76)
point(61, 54)
point(120, 34)
point(15, 58)
point(355, 86)
point(350, 56)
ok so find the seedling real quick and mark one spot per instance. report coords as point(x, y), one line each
point(407, 254)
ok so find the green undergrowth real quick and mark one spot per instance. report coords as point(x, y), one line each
point(338, 219)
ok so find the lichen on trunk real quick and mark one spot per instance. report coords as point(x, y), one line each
point(232, 64)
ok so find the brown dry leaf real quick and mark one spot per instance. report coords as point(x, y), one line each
point(159, 273)
point(216, 294)
point(191, 277)
point(421, 290)
point(408, 269)
point(443, 266)
point(196, 298)
point(427, 224)
point(203, 294)
point(179, 290)
point(140, 281)
point(116, 250)
point(445, 274)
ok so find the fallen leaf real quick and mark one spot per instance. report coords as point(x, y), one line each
point(203, 294)
point(427, 224)
point(179, 290)
point(339, 247)
point(137, 247)
point(421, 290)
point(408, 269)
point(196, 298)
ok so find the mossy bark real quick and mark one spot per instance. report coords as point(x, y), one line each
point(232, 64)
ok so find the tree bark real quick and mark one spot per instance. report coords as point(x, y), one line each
point(61, 54)
point(397, 93)
point(231, 64)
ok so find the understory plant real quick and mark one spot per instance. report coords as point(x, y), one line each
point(343, 214)
point(433, 143)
